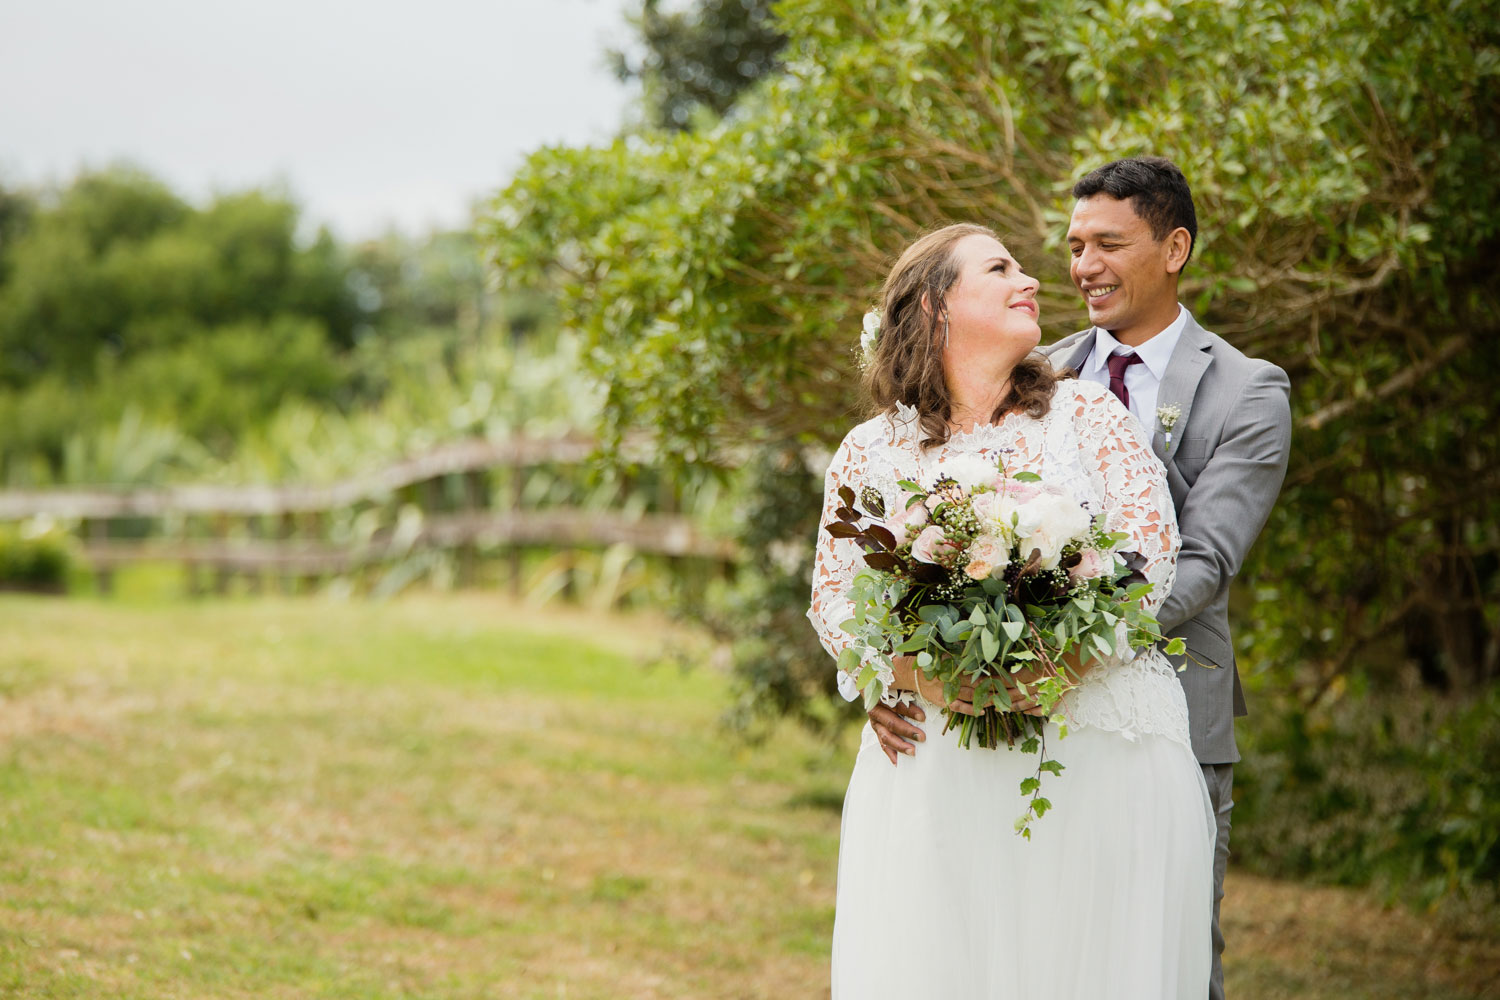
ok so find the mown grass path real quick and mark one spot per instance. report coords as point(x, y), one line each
point(447, 797)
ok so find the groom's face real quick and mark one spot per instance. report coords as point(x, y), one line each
point(1124, 273)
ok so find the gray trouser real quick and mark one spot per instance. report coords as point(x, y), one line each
point(1220, 781)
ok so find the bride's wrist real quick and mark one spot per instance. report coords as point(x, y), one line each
point(904, 669)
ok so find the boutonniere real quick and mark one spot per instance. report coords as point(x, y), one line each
point(1168, 416)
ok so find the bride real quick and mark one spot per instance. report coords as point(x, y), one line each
point(937, 896)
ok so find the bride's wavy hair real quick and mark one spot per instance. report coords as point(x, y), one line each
point(908, 363)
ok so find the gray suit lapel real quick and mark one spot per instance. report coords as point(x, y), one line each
point(1190, 359)
point(1074, 355)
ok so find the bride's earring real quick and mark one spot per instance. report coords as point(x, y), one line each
point(945, 332)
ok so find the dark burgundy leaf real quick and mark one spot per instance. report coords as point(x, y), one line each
point(1136, 564)
point(841, 529)
point(846, 495)
point(845, 514)
point(1033, 563)
point(882, 560)
point(1068, 562)
point(928, 572)
point(882, 535)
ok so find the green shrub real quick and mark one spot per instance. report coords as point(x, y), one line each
point(1400, 791)
point(39, 563)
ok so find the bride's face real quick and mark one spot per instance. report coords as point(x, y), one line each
point(992, 308)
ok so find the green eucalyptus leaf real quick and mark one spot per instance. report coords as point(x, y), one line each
point(848, 660)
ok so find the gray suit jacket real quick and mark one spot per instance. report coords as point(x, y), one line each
point(1225, 465)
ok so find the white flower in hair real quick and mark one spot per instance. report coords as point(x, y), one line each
point(870, 336)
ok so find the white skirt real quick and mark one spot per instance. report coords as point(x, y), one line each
point(938, 897)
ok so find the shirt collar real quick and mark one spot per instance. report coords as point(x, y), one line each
point(1154, 353)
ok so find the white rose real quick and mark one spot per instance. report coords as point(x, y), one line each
point(988, 508)
point(968, 471)
point(1048, 522)
point(1003, 511)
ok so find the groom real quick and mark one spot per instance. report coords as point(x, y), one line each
point(1219, 421)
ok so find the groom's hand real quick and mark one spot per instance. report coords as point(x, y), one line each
point(891, 725)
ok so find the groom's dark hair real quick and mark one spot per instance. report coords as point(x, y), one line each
point(1154, 187)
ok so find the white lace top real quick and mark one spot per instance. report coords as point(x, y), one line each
point(1088, 443)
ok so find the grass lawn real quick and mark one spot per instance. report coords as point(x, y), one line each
point(446, 796)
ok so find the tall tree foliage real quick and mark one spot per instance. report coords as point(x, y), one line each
point(698, 60)
point(133, 321)
point(1341, 157)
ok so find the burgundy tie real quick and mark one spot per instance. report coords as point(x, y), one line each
point(1117, 364)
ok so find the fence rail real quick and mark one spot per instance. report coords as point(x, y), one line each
point(659, 534)
point(281, 530)
point(473, 455)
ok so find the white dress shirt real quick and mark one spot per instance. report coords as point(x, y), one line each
point(1142, 381)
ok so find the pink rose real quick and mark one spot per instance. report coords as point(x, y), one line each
point(928, 544)
point(905, 522)
point(988, 556)
point(1090, 565)
point(1021, 492)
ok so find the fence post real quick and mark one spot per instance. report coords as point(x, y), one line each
point(222, 572)
point(255, 527)
point(97, 530)
point(468, 549)
point(517, 489)
point(286, 532)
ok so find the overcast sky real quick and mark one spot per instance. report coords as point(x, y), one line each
point(370, 113)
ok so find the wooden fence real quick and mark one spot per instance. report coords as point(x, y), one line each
point(282, 531)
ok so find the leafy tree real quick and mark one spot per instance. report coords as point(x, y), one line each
point(701, 58)
point(116, 294)
point(1340, 153)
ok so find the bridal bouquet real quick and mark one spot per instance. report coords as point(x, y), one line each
point(1003, 583)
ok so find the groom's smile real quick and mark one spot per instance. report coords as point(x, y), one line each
point(1120, 268)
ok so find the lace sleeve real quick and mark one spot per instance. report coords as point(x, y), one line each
point(1132, 484)
point(837, 560)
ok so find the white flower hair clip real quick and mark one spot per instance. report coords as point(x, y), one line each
point(869, 337)
point(1168, 416)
